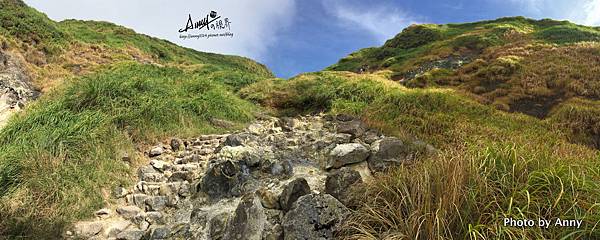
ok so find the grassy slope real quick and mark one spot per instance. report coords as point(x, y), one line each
point(514, 64)
point(493, 164)
point(108, 92)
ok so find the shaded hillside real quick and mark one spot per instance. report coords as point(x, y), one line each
point(106, 92)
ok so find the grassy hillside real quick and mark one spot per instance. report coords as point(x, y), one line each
point(513, 64)
point(55, 51)
point(108, 91)
point(493, 164)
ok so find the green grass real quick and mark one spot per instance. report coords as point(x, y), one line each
point(580, 118)
point(493, 164)
point(58, 157)
point(114, 36)
point(31, 27)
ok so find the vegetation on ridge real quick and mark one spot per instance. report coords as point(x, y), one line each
point(108, 91)
point(493, 164)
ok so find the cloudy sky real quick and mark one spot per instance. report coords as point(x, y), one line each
point(294, 36)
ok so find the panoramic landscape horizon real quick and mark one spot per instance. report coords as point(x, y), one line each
point(285, 120)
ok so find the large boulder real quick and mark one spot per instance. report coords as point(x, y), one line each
point(248, 220)
point(349, 153)
point(292, 191)
point(339, 184)
point(314, 216)
point(389, 152)
point(221, 180)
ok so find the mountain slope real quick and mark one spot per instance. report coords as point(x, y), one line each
point(449, 85)
point(106, 91)
point(514, 64)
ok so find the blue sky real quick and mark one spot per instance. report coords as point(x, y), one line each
point(294, 36)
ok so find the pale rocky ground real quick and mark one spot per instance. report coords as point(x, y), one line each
point(285, 178)
point(15, 87)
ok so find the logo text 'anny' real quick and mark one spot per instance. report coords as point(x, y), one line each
point(212, 21)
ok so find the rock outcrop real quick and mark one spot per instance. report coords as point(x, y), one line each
point(15, 86)
point(288, 178)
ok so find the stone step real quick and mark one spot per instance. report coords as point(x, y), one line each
point(213, 136)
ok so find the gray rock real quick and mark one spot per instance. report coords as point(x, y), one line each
point(389, 152)
point(275, 233)
point(156, 151)
point(344, 117)
point(114, 228)
point(184, 189)
point(103, 213)
point(288, 124)
point(180, 176)
point(128, 212)
point(181, 231)
point(349, 153)
point(158, 233)
point(255, 129)
point(356, 128)
point(235, 140)
point(154, 217)
point(371, 136)
point(159, 165)
point(149, 174)
point(16, 89)
point(248, 220)
point(314, 216)
point(139, 200)
point(125, 157)
point(184, 213)
point(87, 229)
point(176, 144)
point(339, 184)
point(156, 203)
point(120, 192)
point(221, 180)
point(292, 191)
point(134, 234)
point(280, 168)
point(217, 225)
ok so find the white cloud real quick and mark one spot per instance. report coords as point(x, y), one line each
point(592, 13)
point(586, 12)
point(254, 23)
point(383, 21)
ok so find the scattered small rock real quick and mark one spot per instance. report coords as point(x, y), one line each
point(103, 213)
point(176, 144)
point(156, 151)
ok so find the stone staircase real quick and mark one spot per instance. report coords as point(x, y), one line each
point(259, 183)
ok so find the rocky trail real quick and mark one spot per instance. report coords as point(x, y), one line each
point(280, 178)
